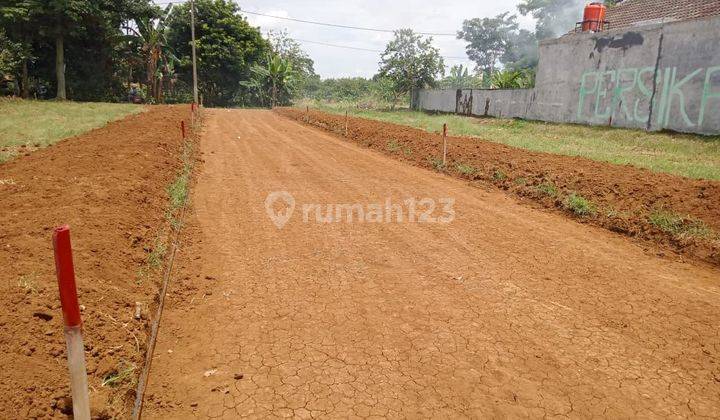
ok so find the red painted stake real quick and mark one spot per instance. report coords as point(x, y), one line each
point(182, 127)
point(73, 323)
point(66, 276)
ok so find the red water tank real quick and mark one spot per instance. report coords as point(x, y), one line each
point(594, 17)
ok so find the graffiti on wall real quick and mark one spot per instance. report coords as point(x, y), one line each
point(628, 93)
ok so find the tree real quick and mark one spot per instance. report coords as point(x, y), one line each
point(488, 39)
point(227, 47)
point(554, 17)
point(291, 50)
point(159, 58)
point(410, 62)
point(273, 81)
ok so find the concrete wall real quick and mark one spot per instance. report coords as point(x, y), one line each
point(664, 76)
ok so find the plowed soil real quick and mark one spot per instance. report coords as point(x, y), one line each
point(625, 196)
point(109, 186)
point(508, 311)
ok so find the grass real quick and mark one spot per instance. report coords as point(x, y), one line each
point(123, 374)
point(579, 205)
point(177, 192)
point(499, 175)
point(677, 225)
point(437, 163)
point(686, 155)
point(548, 189)
point(394, 146)
point(29, 125)
point(465, 169)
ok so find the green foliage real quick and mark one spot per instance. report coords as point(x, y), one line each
point(513, 79)
point(491, 41)
point(488, 39)
point(499, 175)
point(291, 51)
point(272, 83)
point(459, 78)
point(10, 55)
point(409, 62)
point(227, 48)
point(579, 205)
point(548, 189)
point(465, 169)
point(678, 225)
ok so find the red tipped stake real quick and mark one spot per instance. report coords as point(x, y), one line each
point(73, 323)
point(66, 276)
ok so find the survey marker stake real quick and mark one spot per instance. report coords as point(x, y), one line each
point(65, 271)
point(346, 123)
point(444, 143)
point(182, 128)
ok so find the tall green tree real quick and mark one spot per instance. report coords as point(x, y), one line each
point(272, 82)
point(227, 48)
point(488, 39)
point(290, 50)
point(159, 58)
point(410, 61)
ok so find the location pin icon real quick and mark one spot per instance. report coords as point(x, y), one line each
point(279, 218)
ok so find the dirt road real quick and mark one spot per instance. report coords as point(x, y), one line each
point(505, 311)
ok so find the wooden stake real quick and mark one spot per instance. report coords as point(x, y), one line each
point(444, 144)
point(346, 123)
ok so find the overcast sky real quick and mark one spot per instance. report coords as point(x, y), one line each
point(421, 15)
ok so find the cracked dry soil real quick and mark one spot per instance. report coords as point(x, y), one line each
point(508, 311)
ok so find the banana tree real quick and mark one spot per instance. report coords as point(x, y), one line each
point(158, 56)
point(274, 80)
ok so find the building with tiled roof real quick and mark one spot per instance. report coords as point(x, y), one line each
point(630, 13)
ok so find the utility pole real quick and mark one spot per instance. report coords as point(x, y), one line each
point(192, 35)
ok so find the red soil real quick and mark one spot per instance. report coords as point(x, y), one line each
point(109, 186)
point(624, 195)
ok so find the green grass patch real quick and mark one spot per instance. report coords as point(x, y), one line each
point(395, 146)
point(466, 169)
point(520, 181)
point(437, 163)
point(678, 225)
point(38, 124)
point(547, 188)
point(692, 156)
point(122, 375)
point(579, 205)
point(499, 175)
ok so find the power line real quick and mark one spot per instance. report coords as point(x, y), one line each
point(336, 25)
point(313, 22)
point(364, 49)
point(348, 47)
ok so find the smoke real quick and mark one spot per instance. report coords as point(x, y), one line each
point(560, 17)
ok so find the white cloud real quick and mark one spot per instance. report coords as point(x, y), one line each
point(421, 15)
